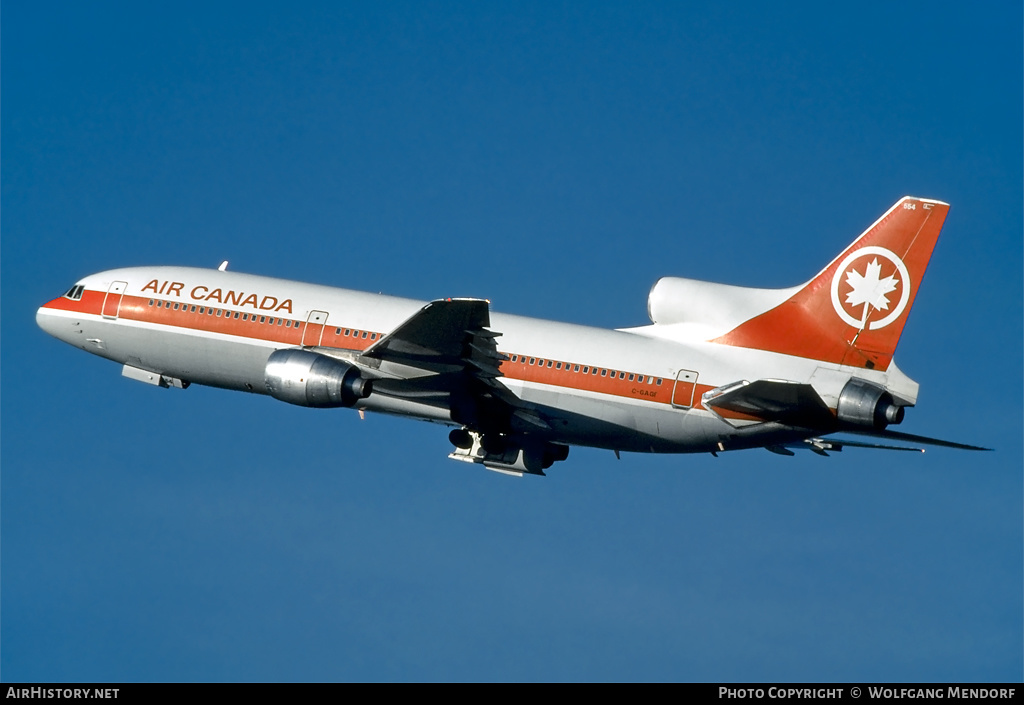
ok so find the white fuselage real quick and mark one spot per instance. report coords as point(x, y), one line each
point(636, 390)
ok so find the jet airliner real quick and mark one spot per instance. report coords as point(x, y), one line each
point(719, 368)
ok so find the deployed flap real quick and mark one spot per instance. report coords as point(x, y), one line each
point(442, 333)
point(451, 336)
point(788, 403)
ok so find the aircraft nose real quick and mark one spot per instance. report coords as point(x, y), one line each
point(45, 320)
point(57, 326)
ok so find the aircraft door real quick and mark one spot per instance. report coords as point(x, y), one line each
point(682, 393)
point(314, 329)
point(112, 299)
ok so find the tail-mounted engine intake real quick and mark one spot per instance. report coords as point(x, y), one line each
point(308, 379)
point(865, 404)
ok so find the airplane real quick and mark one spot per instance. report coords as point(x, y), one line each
point(719, 368)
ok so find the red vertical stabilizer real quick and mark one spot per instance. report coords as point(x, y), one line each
point(853, 312)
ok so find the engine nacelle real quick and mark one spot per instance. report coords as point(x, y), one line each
point(865, 404)
point(309, 379)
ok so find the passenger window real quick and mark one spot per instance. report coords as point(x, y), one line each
point(576, 369)
point(631, 377)
point(622, 375)
point(364, 334)
point(373, 336)
point(558, 366)
point(337, 331)
point(604, 373)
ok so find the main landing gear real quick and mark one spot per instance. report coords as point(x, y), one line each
point(511, 455)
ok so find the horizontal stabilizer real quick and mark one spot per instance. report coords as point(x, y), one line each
point(911, 438)
point(820, 445)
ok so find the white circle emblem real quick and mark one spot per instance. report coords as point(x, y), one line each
point(868, 290)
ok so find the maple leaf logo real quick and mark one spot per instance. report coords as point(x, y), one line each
point(870, 289)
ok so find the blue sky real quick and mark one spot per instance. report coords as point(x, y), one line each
point(555, 158)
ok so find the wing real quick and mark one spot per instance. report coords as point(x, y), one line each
point(799, 405)
point(442, 336)
point(450, 339)
point(789, 403)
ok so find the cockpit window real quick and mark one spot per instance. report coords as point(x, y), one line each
point(75, 292)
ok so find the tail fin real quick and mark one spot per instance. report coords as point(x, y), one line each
point(853, 312)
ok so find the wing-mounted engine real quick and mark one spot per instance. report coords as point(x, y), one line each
point(866, 405)
point(863, 408)
point(306, 378)
point(861, 405)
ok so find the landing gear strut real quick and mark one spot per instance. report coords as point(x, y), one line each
point(512, 455)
